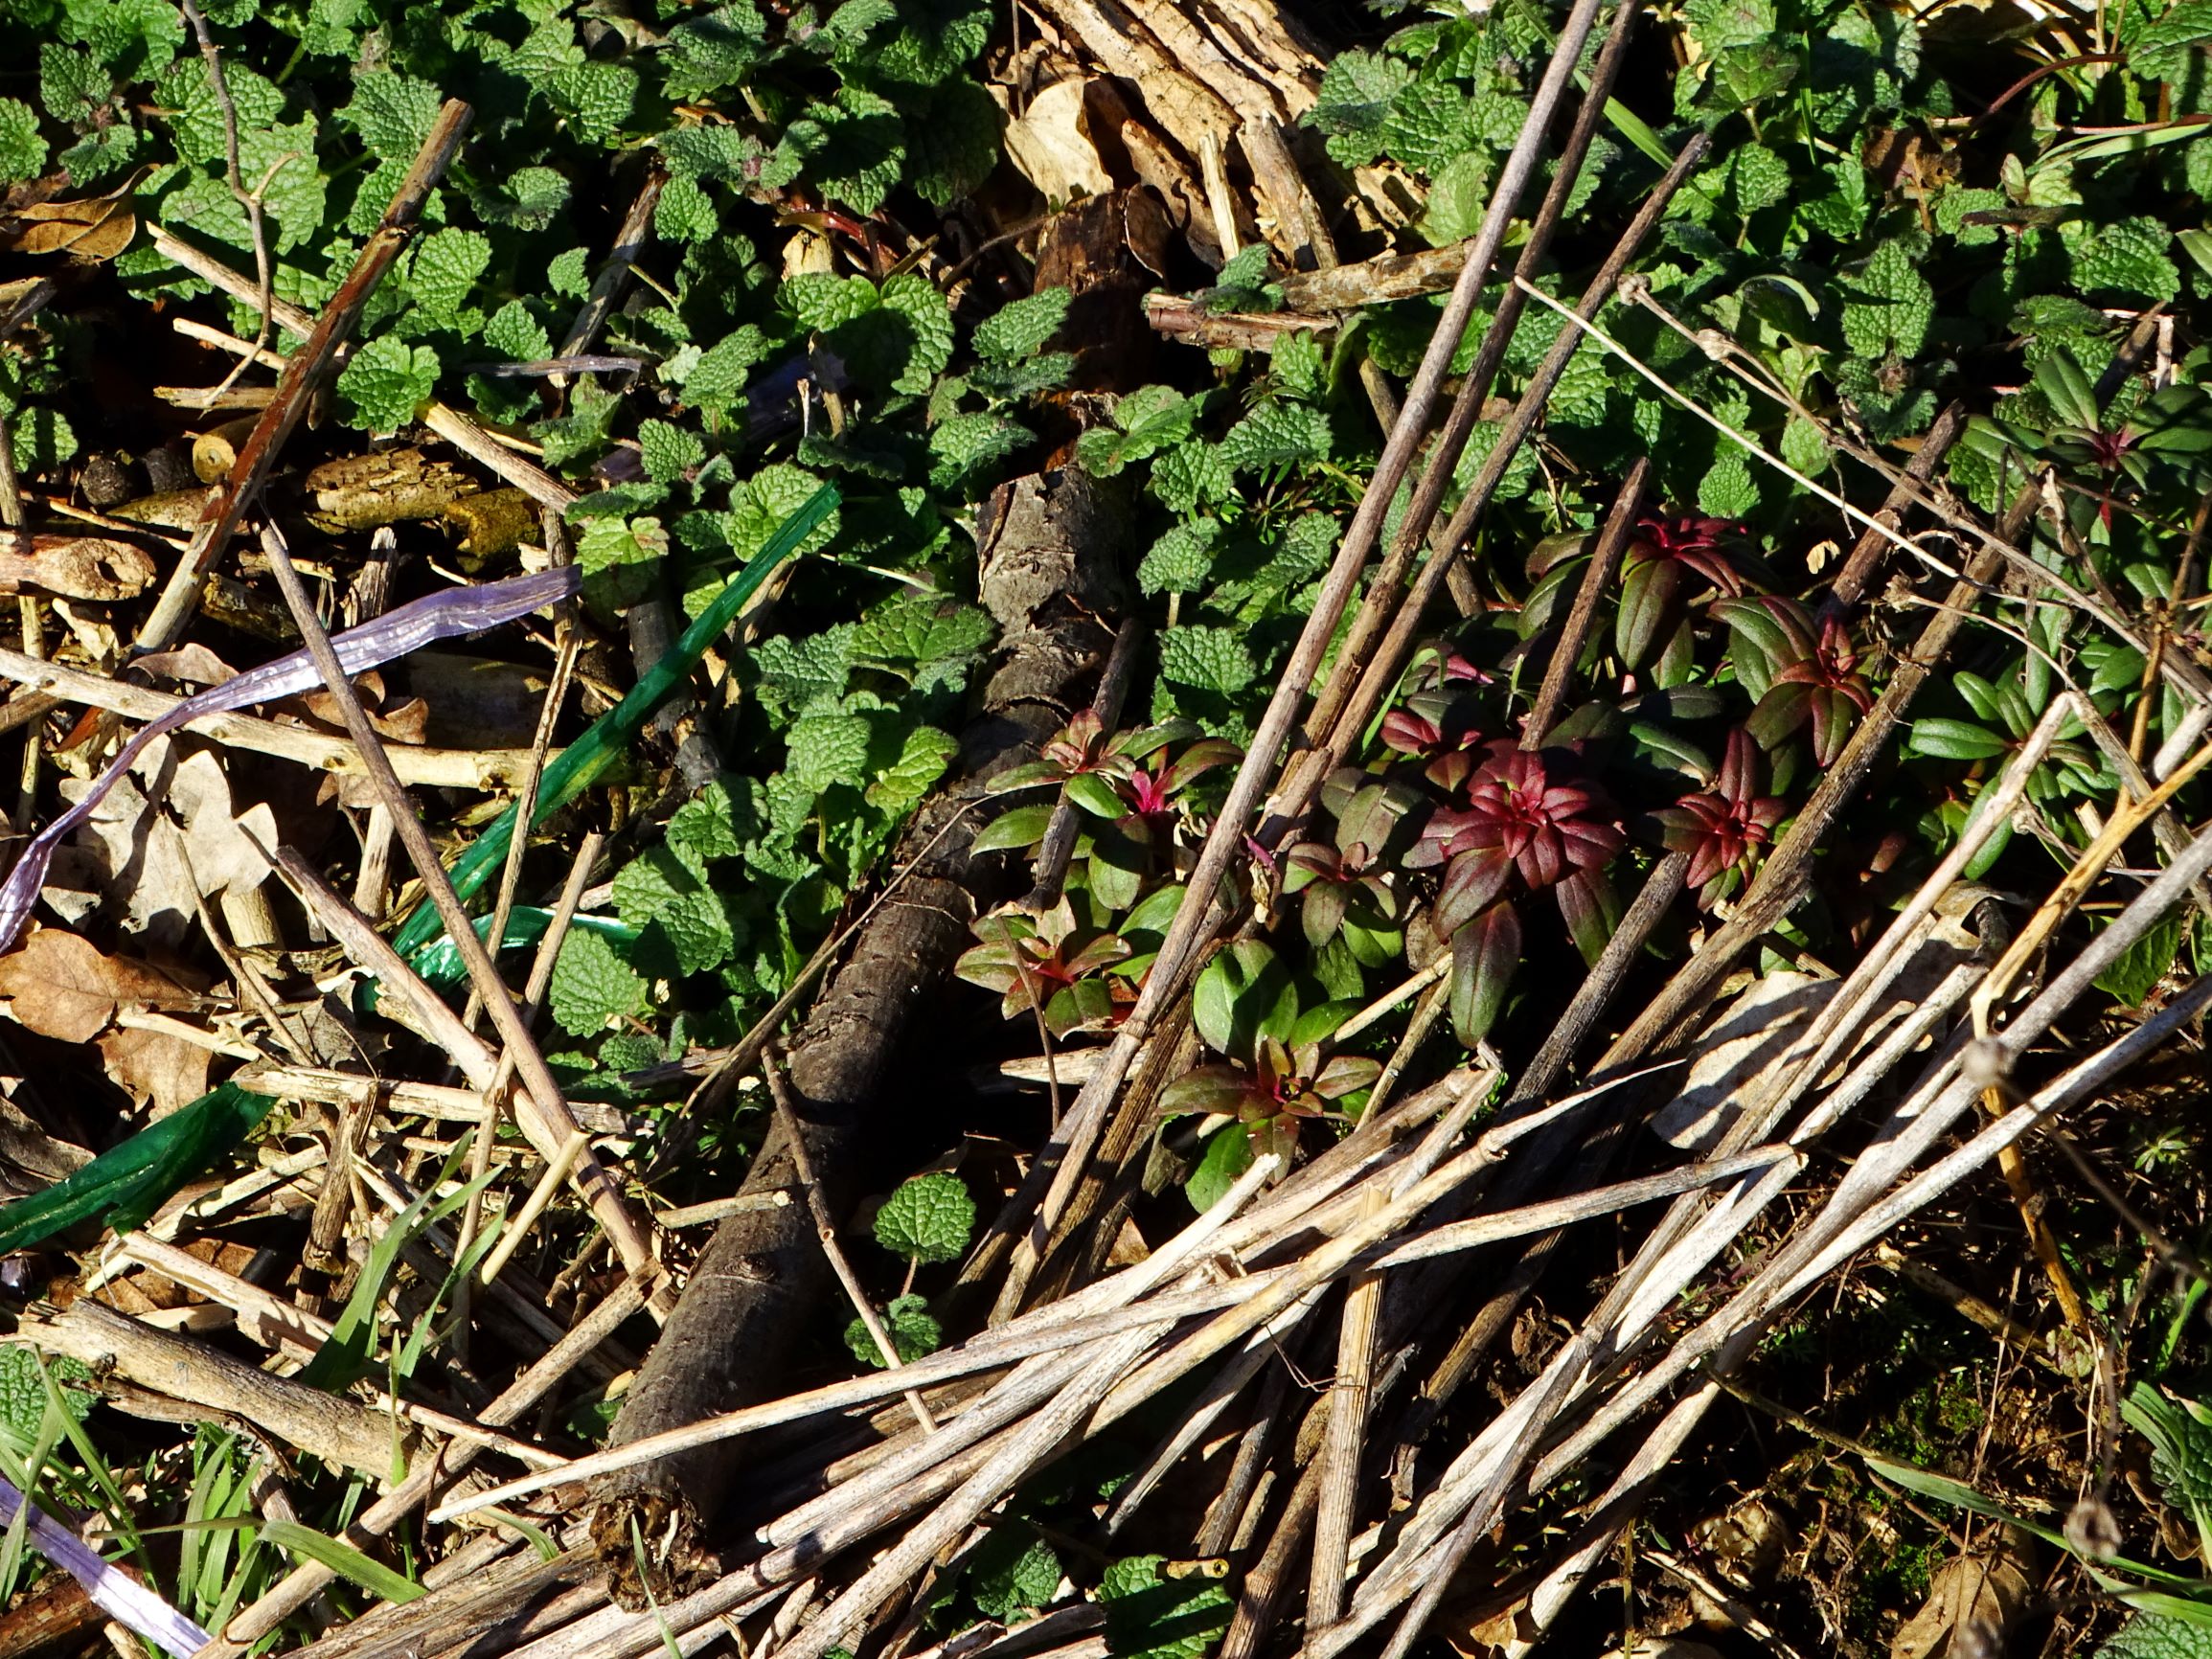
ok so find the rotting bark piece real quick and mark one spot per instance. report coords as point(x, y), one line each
point(1199, 68)
point(1105, 251)
point(90, 567)
point(1050, 573)
point(362, 491)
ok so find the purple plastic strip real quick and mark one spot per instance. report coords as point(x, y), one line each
point(442, 616)
point(116, 1593)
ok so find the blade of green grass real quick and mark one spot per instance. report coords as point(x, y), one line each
point(343, 1559)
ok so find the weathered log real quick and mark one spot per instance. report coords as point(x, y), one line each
point(1051, 576)
point(217, 1387)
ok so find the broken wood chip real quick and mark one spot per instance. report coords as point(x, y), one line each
point(87, 567)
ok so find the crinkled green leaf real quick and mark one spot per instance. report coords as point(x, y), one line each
point(1212, 659)
point(1012, 1572)
point(914, 1333)
point(1150, 1616)
point(916, 298)
point(2158, 1636)
point(392, 114)
point(75, 86)
point(952, 144)
point(935, 40)
point(1358, 90)
point(806, 675)
point(2128, 259)
point(1180, 561)
point(827, 749)
point(1891, 305)
point(669, 451)
point(2165, 47)
point(596, 98)
point(1429, 123)
point(1276, 432)
point(1016, 329)
point(1190, 476)
point(716, 382)
point(713, 824)
point(927, 1218)
point(710, 50)
point(386, 382)
point(1729, 491)
point(23, 1397)
point(446, 264)
point(592, 986)
point(964, 448)
point(685, 213)
point(921, 760)
point(922, 629)
point(516, 334)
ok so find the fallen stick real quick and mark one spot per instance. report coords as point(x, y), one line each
point(540, 1111)
point(203, 1380)
point(322, 751)
point(302, 374)
point(304, 1581)
point(1033, 1213)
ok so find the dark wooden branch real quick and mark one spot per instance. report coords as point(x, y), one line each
point(1866, 554)
point(1050, 571)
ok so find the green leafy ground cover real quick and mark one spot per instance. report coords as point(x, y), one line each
point(1896, 214)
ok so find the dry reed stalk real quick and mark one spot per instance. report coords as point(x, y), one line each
point(541, 1111)
point(1061, 1164)
point(416, 763)
point(1385, 592)
point(555, 1366)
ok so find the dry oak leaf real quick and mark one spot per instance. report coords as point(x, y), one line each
point(1050, 143)
point(160, 878)
point(59, 985)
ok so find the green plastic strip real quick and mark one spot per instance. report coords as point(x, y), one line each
point(584, 761)
point(128, 1183)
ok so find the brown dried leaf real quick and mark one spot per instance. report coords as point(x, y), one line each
point(159, 877)
point(147, 1291)
point(59, 985)
point(1971, 1599)
point(155, 1066)
point(1050, 143)
point(192, 665)
point(94, 230)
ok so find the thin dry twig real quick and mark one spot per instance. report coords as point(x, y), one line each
point(250, 201)
point(1194, 920)
point(826, 1227)
point(303, 372)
